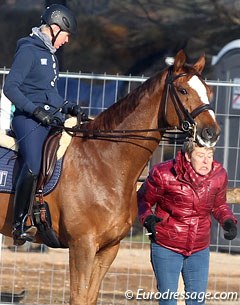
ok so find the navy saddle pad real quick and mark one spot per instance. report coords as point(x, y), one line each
point(9, 169)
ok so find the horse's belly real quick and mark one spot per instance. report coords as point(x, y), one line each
point(6, 213)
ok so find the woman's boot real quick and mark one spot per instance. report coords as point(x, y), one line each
point(24, 196)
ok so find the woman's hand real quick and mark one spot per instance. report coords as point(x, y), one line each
point(150, 223)
point(231, 228)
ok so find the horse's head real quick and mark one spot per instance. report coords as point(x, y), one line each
point(187, 101)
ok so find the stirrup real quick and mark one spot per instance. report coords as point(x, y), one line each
point(21, 234)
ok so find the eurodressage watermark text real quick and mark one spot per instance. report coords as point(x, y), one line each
point(140, 294)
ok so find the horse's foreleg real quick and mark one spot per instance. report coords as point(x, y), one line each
point(81, 259)
point(102, 262)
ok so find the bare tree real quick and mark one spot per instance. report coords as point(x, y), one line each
point(133, 36)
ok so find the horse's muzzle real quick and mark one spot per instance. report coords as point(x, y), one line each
point(207, 134)
point(208, 137)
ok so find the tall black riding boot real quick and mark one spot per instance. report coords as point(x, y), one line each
point(24, 195)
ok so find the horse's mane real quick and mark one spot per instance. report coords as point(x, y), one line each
point(116, 113)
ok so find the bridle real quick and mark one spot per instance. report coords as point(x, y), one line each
point(187, 124)
point(186, 119)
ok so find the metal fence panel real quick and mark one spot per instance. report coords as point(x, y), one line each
point(96, 93)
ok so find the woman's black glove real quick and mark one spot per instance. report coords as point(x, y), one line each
point(42, 116)
point(150, 223)
point(231, 228)
point(77, 111)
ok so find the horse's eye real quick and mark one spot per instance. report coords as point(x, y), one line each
point(183, 91)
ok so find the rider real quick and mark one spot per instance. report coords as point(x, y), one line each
point(31, 86)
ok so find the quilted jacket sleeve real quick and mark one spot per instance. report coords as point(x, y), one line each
point(149, 194)
point(221, 210)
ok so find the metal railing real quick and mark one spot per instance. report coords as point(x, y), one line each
point(95, 93)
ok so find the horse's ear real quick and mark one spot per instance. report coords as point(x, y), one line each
point(200, 64)
point(179, 60)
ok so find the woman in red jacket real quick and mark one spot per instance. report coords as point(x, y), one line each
point(175, 205)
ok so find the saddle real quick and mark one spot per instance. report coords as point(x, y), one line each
point(40, 210)
point(54, 148)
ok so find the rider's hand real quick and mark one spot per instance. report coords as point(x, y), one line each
point(77, 111)
point(42, 116)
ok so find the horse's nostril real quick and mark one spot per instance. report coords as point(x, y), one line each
point(207, 133)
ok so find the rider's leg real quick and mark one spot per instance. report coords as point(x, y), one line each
point(24, 195)
point(31, 137)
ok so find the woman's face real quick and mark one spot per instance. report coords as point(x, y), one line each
point(201, 160)
point(62, 38)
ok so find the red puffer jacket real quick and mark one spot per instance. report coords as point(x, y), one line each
point(185, 202)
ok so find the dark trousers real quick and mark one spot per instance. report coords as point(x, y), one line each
point(30, 136)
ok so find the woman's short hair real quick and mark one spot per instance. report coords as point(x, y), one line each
point(189, 145)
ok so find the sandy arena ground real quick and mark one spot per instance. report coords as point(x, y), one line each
point(45, 276)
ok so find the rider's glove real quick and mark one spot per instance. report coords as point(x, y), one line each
point(149, 224)
point(42, 116)
point(77, 111)
point(231, 228)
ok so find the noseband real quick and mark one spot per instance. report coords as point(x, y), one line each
point(186, 119)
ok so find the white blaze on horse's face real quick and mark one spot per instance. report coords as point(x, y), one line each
point(195, 83)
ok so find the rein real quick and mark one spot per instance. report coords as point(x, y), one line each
point(186, 119)
point(79, 132)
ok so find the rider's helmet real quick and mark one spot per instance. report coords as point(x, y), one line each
point(60, 15)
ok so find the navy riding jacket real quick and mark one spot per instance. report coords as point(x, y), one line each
point(32, 80)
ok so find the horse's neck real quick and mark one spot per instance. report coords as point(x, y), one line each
point(127, 151)
point(122, 160)
point(130, 151)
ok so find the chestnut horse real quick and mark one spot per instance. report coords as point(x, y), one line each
point(94, 204)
